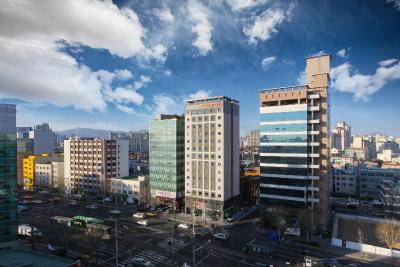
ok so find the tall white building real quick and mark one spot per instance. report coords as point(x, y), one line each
point(341, 136)
point(212, 156)
point(91, 163)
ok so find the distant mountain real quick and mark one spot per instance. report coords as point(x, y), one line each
point(85, 132)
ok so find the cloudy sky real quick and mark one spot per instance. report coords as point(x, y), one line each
point(114, 64)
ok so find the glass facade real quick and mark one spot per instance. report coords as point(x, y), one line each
point(296, 144)
point(8, 179)
point(167, 157)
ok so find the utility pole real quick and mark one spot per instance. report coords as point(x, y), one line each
point(116, 243)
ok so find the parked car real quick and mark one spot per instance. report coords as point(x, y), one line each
point(73, 203)
point(92, 206)
point(230, 219)
point(221, 236)
point(142, 222)
point(138, 261)
point(107, 199)
point(139, 215)
point(115, 212)
point(183, 226)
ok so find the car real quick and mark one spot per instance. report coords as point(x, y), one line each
point(92, 206)
point(138, 261)
point(115, 212)
point(37, 201)
point(183, 226)
point(142, 222)
point(221, 236)
point(107, 199)
point(139, 215)
point(73, 203)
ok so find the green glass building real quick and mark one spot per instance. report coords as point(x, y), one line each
point(167, 159)
point(8, 175)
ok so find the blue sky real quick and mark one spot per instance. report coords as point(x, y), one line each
point(113, 65)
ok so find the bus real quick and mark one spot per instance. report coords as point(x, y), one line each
point(98, 230)
point(85, 221)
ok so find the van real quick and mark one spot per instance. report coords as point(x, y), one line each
point(26, 230)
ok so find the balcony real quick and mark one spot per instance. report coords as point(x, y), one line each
point(314, 108)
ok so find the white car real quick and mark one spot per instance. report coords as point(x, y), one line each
point(92, 207)
point(230, 220)
point(183, 226)
point(115, 212)
point(221, 236)
point(141, 262)
point(139, 215)
point(142, 222)
point(107, 199)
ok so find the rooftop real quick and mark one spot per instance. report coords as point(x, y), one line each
point(284, 89)
point(27, 258)
point(211, 99)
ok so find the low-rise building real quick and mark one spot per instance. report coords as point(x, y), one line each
point(345, 181)
point(370, 180)
point(49, 172)
point(390, 195)
point(133, 189)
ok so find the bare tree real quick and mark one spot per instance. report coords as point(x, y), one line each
point(388, 232)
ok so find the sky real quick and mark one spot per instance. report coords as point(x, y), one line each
point(114, 64)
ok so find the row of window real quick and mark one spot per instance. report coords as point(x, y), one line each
point(284, 128)
point(285, 149)
point(283, 138)
point(286, 160)
point(285, 171)
point(284, 116)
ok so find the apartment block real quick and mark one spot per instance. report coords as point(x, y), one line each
point(91, 163)
point(49, 172)
point(212, 156)
point(294, 147)
point(8, 176)
point(132, 189)
point(167, 159)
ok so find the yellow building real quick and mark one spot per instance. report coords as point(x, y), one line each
point(29, 170)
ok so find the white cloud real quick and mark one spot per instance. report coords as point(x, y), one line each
point(34, 67)
point(123, 74)
point(264, 25)
point(344, 79)
point(143, 81)
point(199, 16)
point(266, 62)
point(302, 79)
point(387, 62)
point(164, 14)
point(167, 104)
point(238, 5)
point(199, 94)
point(125, 109)
point(342, 53)
point(396, 4)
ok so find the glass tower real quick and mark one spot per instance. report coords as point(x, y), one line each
point(8, 175)
point(167, 159)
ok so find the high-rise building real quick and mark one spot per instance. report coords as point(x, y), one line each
point(252, 139)
point(43, 139)
point(8, 176)
point(167, 159)
point(212, 168)
point(138, 141)
point(341, 136)
point(90, 163)
point(294, 147)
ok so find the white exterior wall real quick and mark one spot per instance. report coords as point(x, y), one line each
point(67, 165)
point(58, 174)
point(122, 158)
point(44, 175)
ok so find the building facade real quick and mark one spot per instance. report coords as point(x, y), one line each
point(131, 189)
point(8, 176)
point(389, 193)
point(138, 141)
point(43, 139)
point(341, 136)
point(167, 159)
point(24, 150)
point(212, 167)
point(294, 147)
point(49, 172)
point(91, 163)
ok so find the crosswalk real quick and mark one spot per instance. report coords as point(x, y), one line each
point(154, 257)
point(172, 244)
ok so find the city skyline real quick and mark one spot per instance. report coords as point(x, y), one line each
point(165, 53)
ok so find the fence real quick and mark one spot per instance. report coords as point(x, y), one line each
point(365, 248)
